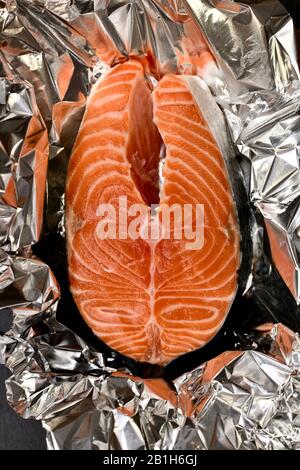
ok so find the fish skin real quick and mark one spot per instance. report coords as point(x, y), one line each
point(152, 300)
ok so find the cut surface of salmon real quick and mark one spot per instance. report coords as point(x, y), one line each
point(150, 299)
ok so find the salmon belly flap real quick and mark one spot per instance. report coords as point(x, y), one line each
point(152, 298)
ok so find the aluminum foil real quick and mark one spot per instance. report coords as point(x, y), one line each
point(239, 400)
point(87, 396)
point(24, 157)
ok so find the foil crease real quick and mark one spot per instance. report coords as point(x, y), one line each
point(239, 400)
point(23, 164)
point(159, 31)
point(50, 52)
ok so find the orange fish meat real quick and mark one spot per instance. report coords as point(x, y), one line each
point(150, 299)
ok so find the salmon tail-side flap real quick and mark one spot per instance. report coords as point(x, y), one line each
point(150, 298)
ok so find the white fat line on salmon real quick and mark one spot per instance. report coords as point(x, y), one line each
point(153, 330)
point(154, 223)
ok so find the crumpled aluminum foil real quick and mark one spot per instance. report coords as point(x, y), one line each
point(245, 400)
point(23, 164)
point(50, 52)
point(239, 400)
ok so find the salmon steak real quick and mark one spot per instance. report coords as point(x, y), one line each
point(152, 298)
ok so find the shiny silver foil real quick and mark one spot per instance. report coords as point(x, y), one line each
point(239, 400)
point(24, 158)
point(50, 53)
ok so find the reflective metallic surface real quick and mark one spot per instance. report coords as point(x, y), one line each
point(50, 53)
point(23, 164)
point(251, 395)
point(246, 400)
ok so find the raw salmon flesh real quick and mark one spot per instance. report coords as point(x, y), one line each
point(152, 300)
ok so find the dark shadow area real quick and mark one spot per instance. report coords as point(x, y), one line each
point(17, 433)
point(293, 7)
